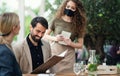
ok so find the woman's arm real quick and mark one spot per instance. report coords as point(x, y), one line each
point(78, 44)
point(48, 36)
point(52, 38)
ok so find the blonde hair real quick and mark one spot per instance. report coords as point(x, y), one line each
point(7, 21)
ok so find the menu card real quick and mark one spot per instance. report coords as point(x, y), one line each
point(49, 63)
point(65, 34)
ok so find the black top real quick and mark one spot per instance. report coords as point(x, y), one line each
point(36, 53)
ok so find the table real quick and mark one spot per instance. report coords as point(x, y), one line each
point(72, 74)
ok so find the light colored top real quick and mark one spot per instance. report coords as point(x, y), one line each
point(23, 55)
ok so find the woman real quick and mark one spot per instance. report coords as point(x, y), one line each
point(9, 27)
point(70, 18)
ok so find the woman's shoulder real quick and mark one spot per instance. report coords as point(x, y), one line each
point(57, 19)
point(4, 49)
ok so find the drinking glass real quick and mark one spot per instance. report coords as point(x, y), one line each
point(82, 67)
point(118, 67)
point(76, 68)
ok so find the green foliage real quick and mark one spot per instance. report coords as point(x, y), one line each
point(103, 24)
point(58, 2)
point(36, 11)
point(92, 67)
point(98, 59)
point(103, 18)
point(27, 24)
point(52, 7)
point(3, 8)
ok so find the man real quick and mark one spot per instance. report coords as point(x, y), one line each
point(33, 51)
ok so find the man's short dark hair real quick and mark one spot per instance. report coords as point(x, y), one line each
point(40, 20)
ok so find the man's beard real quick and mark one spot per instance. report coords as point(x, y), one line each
point(35, 39)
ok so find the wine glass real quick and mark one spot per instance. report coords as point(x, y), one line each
point(76, 68)
point(82, 67)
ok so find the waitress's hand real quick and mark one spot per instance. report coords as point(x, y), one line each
point(68, 41)
point(60, 37)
